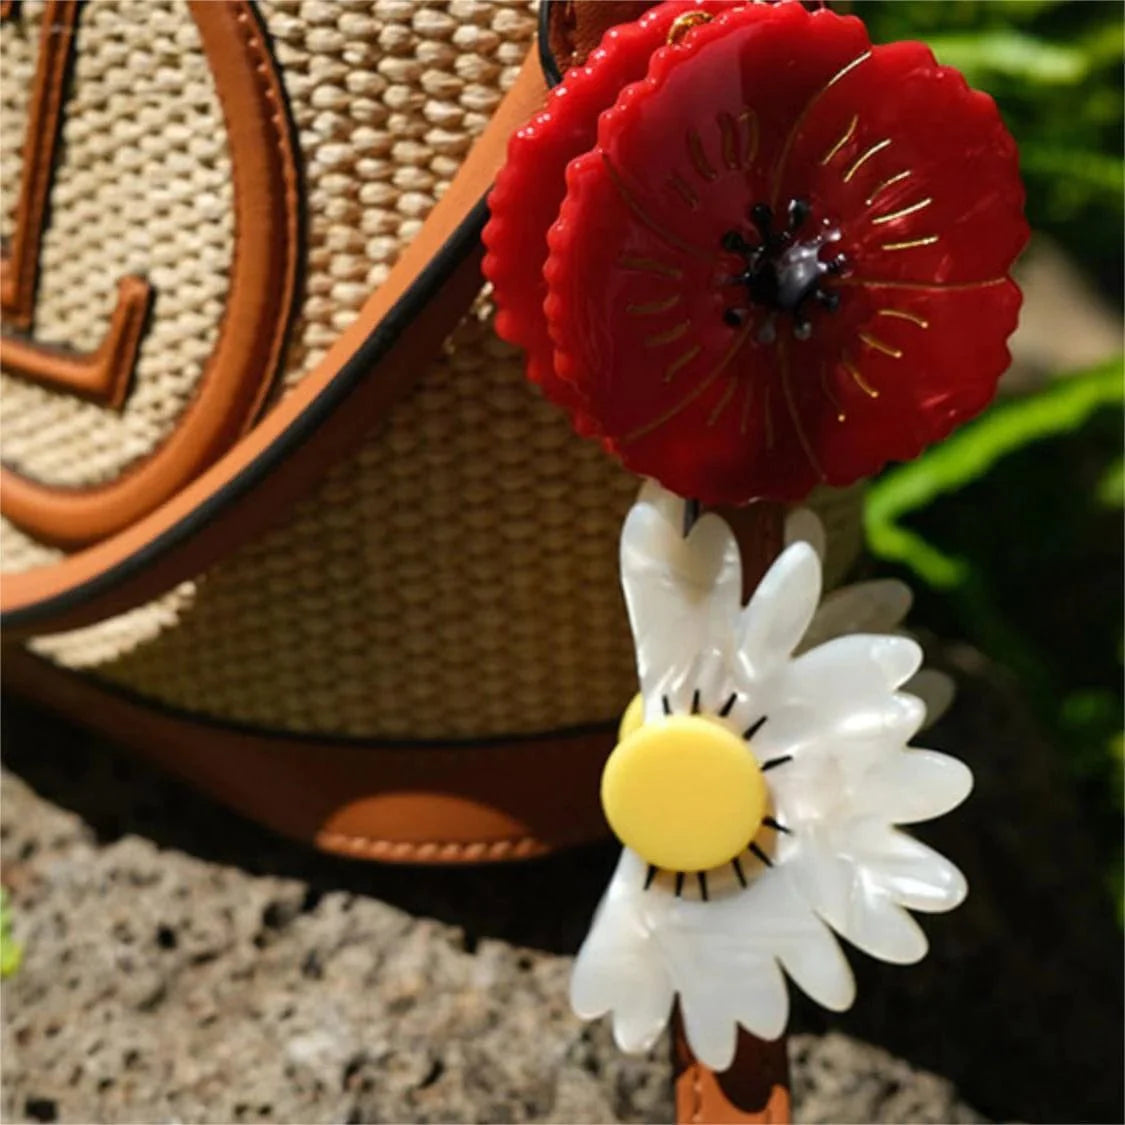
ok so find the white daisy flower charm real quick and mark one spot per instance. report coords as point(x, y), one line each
point(756, 793)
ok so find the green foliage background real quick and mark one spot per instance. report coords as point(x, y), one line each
point(1011, 530)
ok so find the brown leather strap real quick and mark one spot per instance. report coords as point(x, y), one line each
point(407, 803)
point(756, 1087)
point(755, 1090)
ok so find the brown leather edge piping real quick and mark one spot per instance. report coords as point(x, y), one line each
point(408, 803)
point(260, 300)
point(223, 506)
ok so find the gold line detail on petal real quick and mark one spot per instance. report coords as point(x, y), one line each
point(753, 136)
point(651, 265)
point(920, 286)
point(880, 345)
point(841, 416)
point(680, 362)
point(913, 209)
point(724, 401)
point(684, 190)
point(791, 405)
point(651, 308)
point(858, 379)
point(744, 421)
point(864, 157)
point(729, 140)
point(846, 136)
point(666, 337)
point(902, 314)
point(634, 205)
point(910, 244)
point(888, 182)
point(779, 171)
point(698, 157)
point(696, 391)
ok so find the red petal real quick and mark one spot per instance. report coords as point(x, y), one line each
point(529, 190)
point(638, 281)
point(915, 168)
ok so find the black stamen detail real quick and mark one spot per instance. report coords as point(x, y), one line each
point(679, 883)
point(725, 710)
point(782, 272)
point(761, 855)
point(738, 871)
point(650, 875)
point(695, 702)
point(773, 763)
point(667, 705)
point(754, 728)
point(769, 822)
point(702, 877)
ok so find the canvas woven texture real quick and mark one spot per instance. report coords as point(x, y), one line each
point(457, 575)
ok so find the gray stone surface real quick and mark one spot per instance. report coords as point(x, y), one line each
point(182, 965)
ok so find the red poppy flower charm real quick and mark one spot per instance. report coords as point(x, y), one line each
point(781, 260)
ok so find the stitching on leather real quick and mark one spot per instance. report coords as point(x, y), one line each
point(466, 850)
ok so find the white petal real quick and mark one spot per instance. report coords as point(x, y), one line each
point(804, 525)
point(681, 593)
point(805, 945)
point(905, 869)
point(620, 967)
point(914, 785)
point(866, 607)
point(720, 995)
point(835, 737)
point(886, 931)
point(780, 610)
point(845, 674)
point(639, 1023)
point(935, 689)
point(854, 905)
point(711, 1031)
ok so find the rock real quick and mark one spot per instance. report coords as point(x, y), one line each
point(183, 965)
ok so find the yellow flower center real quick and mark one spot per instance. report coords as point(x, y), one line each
point(684, 792)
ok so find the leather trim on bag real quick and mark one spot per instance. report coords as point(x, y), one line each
point(462, 802)
point(372, 363)
point(570, 29)
point(263, 282)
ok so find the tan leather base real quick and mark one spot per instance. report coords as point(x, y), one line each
point(406, 803)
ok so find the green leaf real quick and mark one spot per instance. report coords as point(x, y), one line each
point(1093, 170)
point(1111, 488)
point(1059, 409)
point(1011, 54)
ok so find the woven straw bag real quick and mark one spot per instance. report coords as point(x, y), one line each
point(279, 508)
